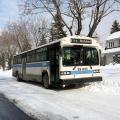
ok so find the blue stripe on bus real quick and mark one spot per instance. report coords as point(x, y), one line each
point(82, 72)
point(43, 64)
point(17, 65)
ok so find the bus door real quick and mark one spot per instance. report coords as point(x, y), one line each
point(23, 66)
point(57, 63)
point(54, 63)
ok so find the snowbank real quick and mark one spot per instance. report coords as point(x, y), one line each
point(5, 74)
point(113, 50)
point(111, 80)
point(80, 103)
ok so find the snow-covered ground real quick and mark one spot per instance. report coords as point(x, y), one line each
point(94, 101)
point(111, 80)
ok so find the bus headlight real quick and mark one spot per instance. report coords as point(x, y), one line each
point(65, 73)
point(97, 71)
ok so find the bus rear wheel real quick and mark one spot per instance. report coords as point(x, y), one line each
point(45, 79)
point(18, 78)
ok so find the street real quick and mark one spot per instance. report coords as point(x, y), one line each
point(8, 111)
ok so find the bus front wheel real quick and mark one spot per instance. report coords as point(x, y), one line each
point(46, 81)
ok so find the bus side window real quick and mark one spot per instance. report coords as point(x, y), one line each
point(37, 57)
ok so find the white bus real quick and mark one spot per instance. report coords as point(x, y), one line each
point(70, 60)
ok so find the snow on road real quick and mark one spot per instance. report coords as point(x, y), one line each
point(94, 101)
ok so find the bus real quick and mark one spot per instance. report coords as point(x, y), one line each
point(70, 60)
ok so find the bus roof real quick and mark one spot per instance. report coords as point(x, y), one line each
point(56, 41)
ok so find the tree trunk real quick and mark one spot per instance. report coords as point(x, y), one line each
point(3, 61)
point(9, 64)
point(92, 30)
point(79, 26)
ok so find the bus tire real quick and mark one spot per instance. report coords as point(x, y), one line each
point(45, 80)
point(18, 78)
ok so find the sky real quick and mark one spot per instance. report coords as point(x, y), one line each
point(104, 27)
point(9, 12)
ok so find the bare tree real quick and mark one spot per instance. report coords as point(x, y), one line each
point(2, 56)
point(15, 38)
point(117, 1)
point(8, 48)
point(2, 60)
point(21, 33)
point(38, 29)
point(46, 6)
point(75, 10)
point(101, 9)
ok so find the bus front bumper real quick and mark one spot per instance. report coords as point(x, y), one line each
point(80, 80)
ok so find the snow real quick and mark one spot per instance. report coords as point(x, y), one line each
point(111, 80)
point(113, 50)
point(5, 74)
point(114, 36)
point(93, 101)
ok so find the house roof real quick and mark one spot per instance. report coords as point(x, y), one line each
point(114, 36)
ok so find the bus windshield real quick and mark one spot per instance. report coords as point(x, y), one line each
point(80, 56)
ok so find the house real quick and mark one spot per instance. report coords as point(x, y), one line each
point(112, 49)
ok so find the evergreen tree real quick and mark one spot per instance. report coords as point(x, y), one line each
point(43, 36)
point(115, 27)
point(57, 31)
point(43, 39)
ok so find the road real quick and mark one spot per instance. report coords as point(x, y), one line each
point(8, 111)
point(94, 101)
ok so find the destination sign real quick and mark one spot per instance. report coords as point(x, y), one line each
point(83, 41)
